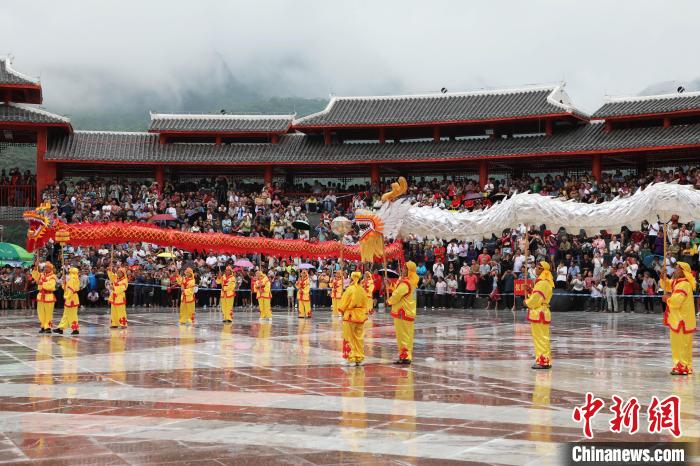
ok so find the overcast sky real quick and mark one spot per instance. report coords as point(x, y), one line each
point(314, 48)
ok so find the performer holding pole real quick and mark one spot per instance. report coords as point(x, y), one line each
point(228, 293)
point(117, 298)
point(303, 295)
point(679, 316)
point(45, 300)
point(71, 302)
point(403, 310)
point(262, 292)
point(336, 292)
point(354, 307)
point(539, 315)
point(187, 299)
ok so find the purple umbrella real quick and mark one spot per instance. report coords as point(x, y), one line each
point(306, 266)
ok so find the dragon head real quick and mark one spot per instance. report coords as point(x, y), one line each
point(42, 226)
point(370, 230)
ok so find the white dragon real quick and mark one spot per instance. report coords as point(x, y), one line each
point(398, 218)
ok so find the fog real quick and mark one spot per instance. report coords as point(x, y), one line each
point(90, 55)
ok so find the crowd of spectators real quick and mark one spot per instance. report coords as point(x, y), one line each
point(598, 272)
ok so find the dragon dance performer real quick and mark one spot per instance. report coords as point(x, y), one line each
point(403, 310)
point(45, 300)
point(117, 298)
point(368, 286)
point(680, 317)
point(262, 292)
point(336, 292)
point(353, 306)
point(540, 316)
point(304, 295)
point(228, 293)
point(71, 302)
point(187, 301)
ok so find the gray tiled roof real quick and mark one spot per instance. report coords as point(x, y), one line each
point(9, 76)
point(221, 123)
point(449, 107)
point(298, 148)
point(618, 106)
point(27, 114)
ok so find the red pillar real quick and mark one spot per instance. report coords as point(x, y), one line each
point(374, 175)
point(45, 171)
point(7, 97)
point(436, 134)
point(483, 173)
point(275, 138)
point(548, 127)
point(382, 136)
point(596, 168)
point(667, 122)
point(217, 141)
point(160, 176)
point(162, 139)
point(608, 127)
point(327, 137)
point(268, 175)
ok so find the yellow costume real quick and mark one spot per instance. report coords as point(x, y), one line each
point(403, 310)
point(353, 305)
point(45, 300)
point(187, 298)
point(680, 318)
point(117, 298)
point(336, 292)
point(262, 291)
point(368, 286)
point(304, 294)
point(228, 294)
point(539, 316)
point(71, 303)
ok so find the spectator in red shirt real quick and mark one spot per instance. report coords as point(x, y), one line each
point(627, 292)
point(439, 253)
point(484, 257)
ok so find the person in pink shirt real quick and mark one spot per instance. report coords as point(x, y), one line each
point(470, 281)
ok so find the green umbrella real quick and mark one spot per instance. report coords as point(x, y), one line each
point(12, 252)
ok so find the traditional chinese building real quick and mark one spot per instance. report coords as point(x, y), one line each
point(531, 129)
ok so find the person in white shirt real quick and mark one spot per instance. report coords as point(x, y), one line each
point(597, 297)
point(451, 291)
point(614, 245)
point(438, 270)
point(440, 292)
point(562, 271)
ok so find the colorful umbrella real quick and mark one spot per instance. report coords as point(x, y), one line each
point(14, 253)
point(167, 255)
point(306, 266)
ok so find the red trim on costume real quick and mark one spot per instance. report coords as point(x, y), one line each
point(540, 320)
point(264, 297)
point(539, 293)
point(680, 291)
point(42, 297)
point(401, 314)
point(681, 326)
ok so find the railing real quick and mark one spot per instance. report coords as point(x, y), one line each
point(20, 195)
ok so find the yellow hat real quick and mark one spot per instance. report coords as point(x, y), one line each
point(355, 276)
point(411, 274)
point(189, 271)
point(546, 274)
point(73, 271)
point(545, 265)
point(685, 267)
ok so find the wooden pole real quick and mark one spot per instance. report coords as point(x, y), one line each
point(527, 262)
point(386, 279)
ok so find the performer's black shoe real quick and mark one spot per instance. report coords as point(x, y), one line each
point(112, 326)
point(399, 361)
point(41, 330)
point(75, 332)
point(406, 362)
point(539, 366)
point(58, 330)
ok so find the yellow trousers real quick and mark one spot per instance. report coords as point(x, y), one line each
point(404, 338)
point(304, 308)
point(335, 307)
point(265, 311)
point(682, 350)
point(69, 318)
point(227, 308)
point(187, 313)
point(346, 340)
point(540, 339)
point(118, 315)
point(356, 340)
point(45, 312)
